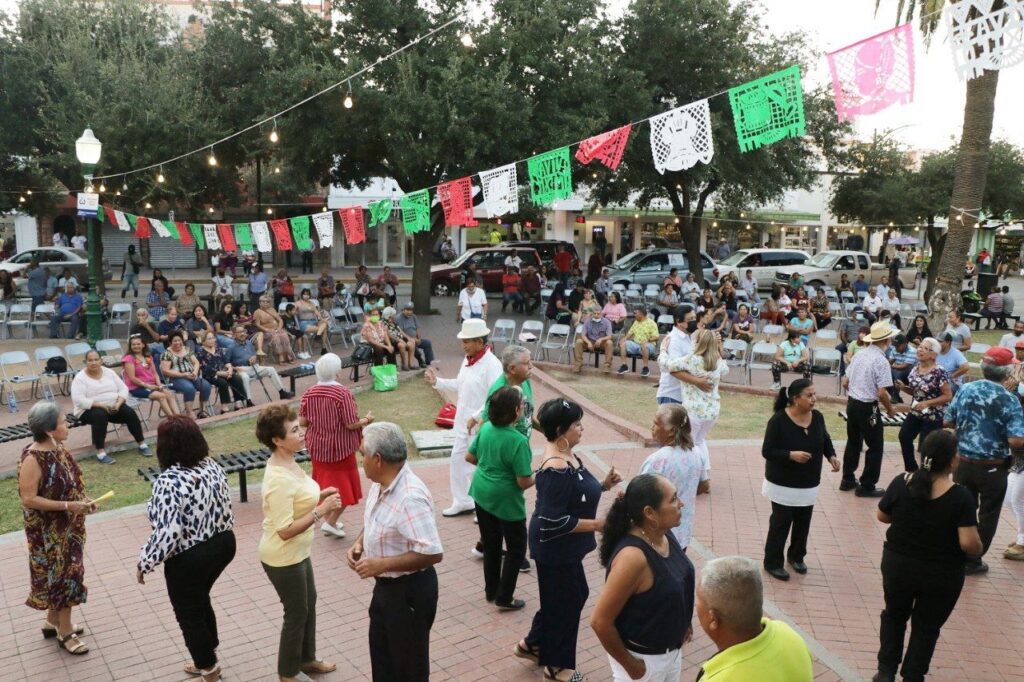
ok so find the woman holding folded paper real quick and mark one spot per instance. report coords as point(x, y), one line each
point(54, 504)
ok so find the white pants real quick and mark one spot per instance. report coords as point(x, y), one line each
point(461, 472)
point(660, 668)
point(247, 373)
point(1015, 498)
point(700, 429)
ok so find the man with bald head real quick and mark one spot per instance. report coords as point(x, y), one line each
point(750, 647)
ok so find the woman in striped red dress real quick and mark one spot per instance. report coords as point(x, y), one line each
point(333, 433)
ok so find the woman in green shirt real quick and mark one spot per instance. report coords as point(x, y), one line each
point(504, 469)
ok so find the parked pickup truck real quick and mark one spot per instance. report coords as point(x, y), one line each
point(828, 267)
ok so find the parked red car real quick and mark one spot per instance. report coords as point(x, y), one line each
point(446, 280)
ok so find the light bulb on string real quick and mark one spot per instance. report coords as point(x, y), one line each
point(323, 209)
point(636, 215)
point(211, 159)
point(466, 40)
point(28, 192)
point(714, 224)
point(270, 211)
point(103, 188)
point(21, 199)
point(210, 209)
point(124, 186)
point(748, 226)
point(348, 98)
point(117, 193)
point(160, 176)
point(148, 205)
point(273, 133)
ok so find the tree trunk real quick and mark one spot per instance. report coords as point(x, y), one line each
point(937, 242)
point(969, 178)
point(422, 258)
point(689, 231)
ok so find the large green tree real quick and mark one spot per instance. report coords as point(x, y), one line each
point(686, 50)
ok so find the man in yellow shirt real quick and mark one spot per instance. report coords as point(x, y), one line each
point(750, 646)
point(641, 339)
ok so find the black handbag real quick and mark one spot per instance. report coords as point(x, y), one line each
point(362, 353)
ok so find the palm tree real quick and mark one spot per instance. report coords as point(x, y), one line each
point(970, 168)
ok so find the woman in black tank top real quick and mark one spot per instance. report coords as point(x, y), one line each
point(643, 615)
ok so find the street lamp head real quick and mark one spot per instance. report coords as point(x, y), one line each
point(88, 148)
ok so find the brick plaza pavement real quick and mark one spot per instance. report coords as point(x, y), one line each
point(133, 634)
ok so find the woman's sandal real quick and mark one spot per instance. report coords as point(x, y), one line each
point(50, 630)
point(75, 648)
point(530, 653)
point(317, 667)
point(552, 673)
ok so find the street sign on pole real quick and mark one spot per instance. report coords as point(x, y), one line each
point(88, 204)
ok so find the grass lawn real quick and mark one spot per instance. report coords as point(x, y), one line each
point(742, 415)
point(413, 407)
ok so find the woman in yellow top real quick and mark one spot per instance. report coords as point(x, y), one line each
point(292, 504)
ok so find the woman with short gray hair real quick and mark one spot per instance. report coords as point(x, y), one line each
point(930, 387)
point(329, 414)
point(54, 502)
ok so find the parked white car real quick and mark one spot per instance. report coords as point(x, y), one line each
point(764, 263)
point(828, 267)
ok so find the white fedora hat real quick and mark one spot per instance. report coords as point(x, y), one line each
point(473, 328)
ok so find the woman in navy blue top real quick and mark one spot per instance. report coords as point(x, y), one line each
point(643, 615)
point(561, 534)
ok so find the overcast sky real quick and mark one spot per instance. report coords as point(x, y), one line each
point(936, 114)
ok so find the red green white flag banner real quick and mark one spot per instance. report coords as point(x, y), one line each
point(874, 73)
point(226, 234)
point(300, 230)
point(352, 220)
point(501, 190)
point(184, 234)
point(282, 235)
point(160, 227)
point(324, 225)
point(142, 230)
point(550, 176)
point(197, 233)
point(261, 233)
point(122, 222)
point(210, 234)
point(681, 137)
point(606, 147)
point(768, 109)
point(243, 235)
point(416, 211)
point(457, 202)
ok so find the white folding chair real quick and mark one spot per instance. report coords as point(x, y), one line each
point(504, 330)
point(739, 351)
point(531, 328)
point(762, 355)
point(837, 311)
point(75, 354)
point(17, 368)
point(63, 379)
point(830, 357)
point(545, 294)
point(557, 339)
point(825, 338)
point(121, 315)
point(618, 287)
point(41, 319)
point(846, 296)
point(773, 333)
point(110, 351)
point(633, 286)
point(19, 316)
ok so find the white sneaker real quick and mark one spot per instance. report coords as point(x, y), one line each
point(328, 529)
point(477, 553)
point(456, 510)
point(776, 386)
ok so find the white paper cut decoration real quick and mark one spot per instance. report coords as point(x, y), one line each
point(324, 224)
point(122, 222)
point(681, 137)
point(160, 228)
point(261, 233)
point(501, 190)
point(874, 73)
point(212, 238)
point(983, 38)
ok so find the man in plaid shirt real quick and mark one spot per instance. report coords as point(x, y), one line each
point(398, 547)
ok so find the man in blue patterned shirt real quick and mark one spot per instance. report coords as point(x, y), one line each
point(988, 421)
point(902, 357)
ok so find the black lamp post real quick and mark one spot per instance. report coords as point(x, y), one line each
point(87, 149)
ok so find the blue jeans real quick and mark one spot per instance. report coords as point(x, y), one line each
point(189, 387)
point(428, 350)
point(131, 280)
point(56, 320)
point(665, 400)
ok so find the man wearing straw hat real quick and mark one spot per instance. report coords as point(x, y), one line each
point(469, 389)
point(867, 383)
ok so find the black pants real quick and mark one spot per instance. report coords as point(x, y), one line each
point(914, 427)
point(282, 297)
point(254, 299)
point(778, 368)
point(297, 592)
point(227, 387)
point(190, 577)
point(987, 482)
point(307, 261)
point(98, 418)
point(563, 593)
point(500, 575)
point(923, 592)
point(402, 612)
point(859, 431)
point(783, 520)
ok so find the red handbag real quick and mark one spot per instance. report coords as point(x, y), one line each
point(446, 416)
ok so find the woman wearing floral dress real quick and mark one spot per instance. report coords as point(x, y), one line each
point(220, 373)
point(703, 406)
point(54, 505)
point(269, 322)
point(929, 385)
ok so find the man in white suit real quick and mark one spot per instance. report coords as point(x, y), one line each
point(468, 391)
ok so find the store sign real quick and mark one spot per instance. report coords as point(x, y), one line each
point(88, 204)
